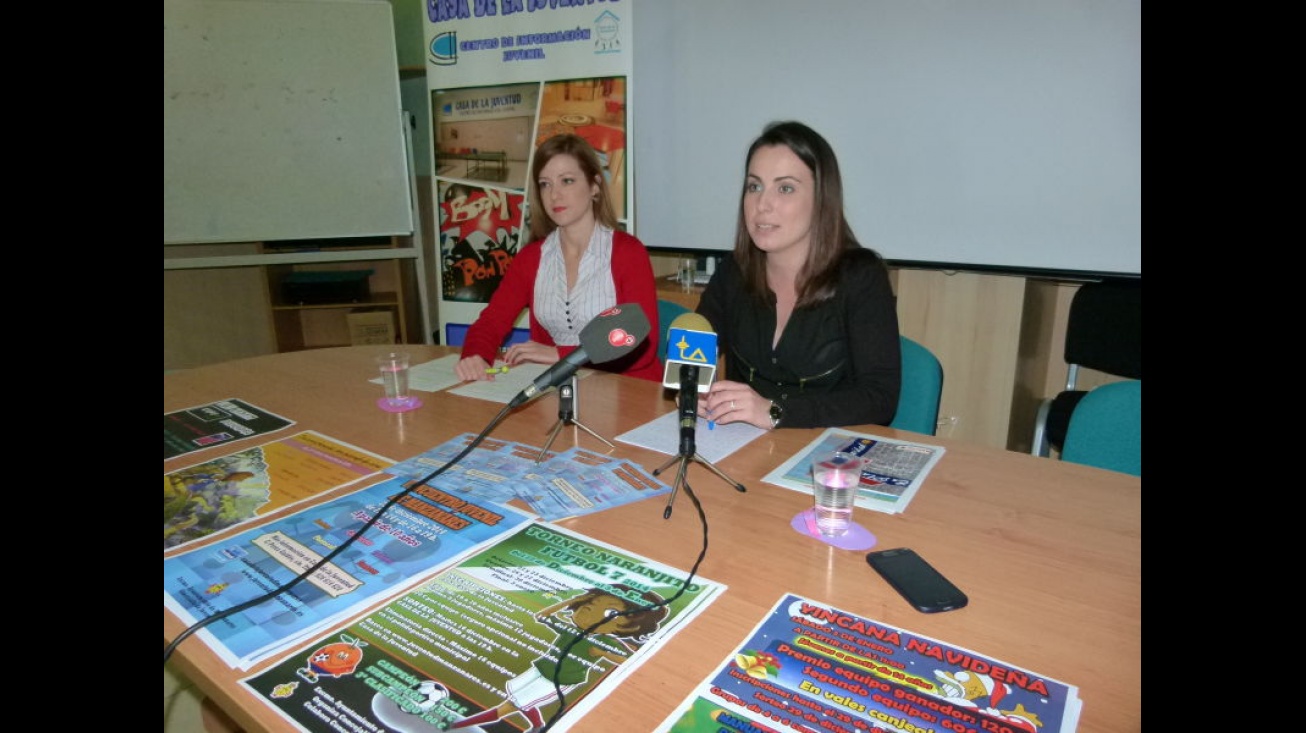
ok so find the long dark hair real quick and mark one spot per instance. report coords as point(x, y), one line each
point(832, 237)
point(577, 147)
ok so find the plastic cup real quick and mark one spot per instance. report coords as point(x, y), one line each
point(685, 273)
point(835, 477)
point(394, 377)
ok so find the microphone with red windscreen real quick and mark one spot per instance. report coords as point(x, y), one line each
point(610, 335)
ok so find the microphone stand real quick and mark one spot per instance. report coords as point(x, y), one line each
point(688, 404)
point(567, 416)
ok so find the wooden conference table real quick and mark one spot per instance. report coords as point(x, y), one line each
point(1050, 553)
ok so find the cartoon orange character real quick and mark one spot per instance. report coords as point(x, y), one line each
point(338, 658)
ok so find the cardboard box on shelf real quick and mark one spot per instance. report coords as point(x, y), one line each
point(371, 327)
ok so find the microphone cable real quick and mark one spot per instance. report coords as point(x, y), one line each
point(562, 656)
point(480, 438)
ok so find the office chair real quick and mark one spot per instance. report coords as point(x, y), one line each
point(667, 312)
point(1105, 333)
point(1106, 429)
point(454, 333)
point(922, 388)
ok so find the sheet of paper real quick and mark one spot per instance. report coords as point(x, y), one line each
point(438, 374)
point(506, 386)
point(663, 436)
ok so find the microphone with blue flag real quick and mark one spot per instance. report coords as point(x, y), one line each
point(690, 342)
point(690, 368)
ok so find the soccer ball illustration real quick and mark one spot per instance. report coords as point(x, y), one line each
point(428, 694)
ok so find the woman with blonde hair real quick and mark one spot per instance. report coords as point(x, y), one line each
point(577, 265)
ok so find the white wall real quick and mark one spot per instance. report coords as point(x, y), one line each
point(1002, 134)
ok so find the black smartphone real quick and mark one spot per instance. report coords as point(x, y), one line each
point(916, 580)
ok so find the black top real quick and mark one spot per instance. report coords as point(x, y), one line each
point(837, 363)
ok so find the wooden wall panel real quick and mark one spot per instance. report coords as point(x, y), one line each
point(972, 324)
point(213, 315)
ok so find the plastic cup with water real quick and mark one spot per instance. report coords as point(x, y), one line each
point(394, 378)
point(835, 477)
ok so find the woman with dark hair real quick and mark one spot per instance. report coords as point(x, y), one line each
point(576, 266)
point(806, 318)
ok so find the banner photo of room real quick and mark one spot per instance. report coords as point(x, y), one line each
point(488, 77)
point(480, 233)
point(484, 133)
point(594, 109)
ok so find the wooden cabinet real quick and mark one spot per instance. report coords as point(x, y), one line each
point(226, 301)
point(312, 303)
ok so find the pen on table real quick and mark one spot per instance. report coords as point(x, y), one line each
point(497, 370)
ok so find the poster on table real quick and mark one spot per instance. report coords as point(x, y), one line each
point(204, 426)
point(416, 533)
point(476, 647)
point(554, 485)
point(892, 470)
point(230, 490)
point(503, 77)
point(813, 668)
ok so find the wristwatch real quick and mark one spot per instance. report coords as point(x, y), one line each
point(777, 412)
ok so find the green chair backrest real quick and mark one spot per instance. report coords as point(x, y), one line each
point(667, 312)
point(922, 388)
point(1106, 428)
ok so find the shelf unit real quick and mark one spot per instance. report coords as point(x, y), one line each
point(391, 288)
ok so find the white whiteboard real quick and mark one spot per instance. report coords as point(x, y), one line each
point(282, 120)
point(1004, 134)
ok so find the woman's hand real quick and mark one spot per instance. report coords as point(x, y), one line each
point(728, 402)
point(530, 352)
point(472, 369)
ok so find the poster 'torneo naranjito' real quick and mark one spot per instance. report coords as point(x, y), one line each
point(477, 647)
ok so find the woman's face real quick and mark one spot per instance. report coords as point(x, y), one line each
point(565, 194)
point(779, 198)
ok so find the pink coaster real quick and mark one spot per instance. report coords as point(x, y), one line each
point(412, 403)
point(856, 538)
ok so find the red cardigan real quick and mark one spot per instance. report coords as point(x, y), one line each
point(632, 274)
